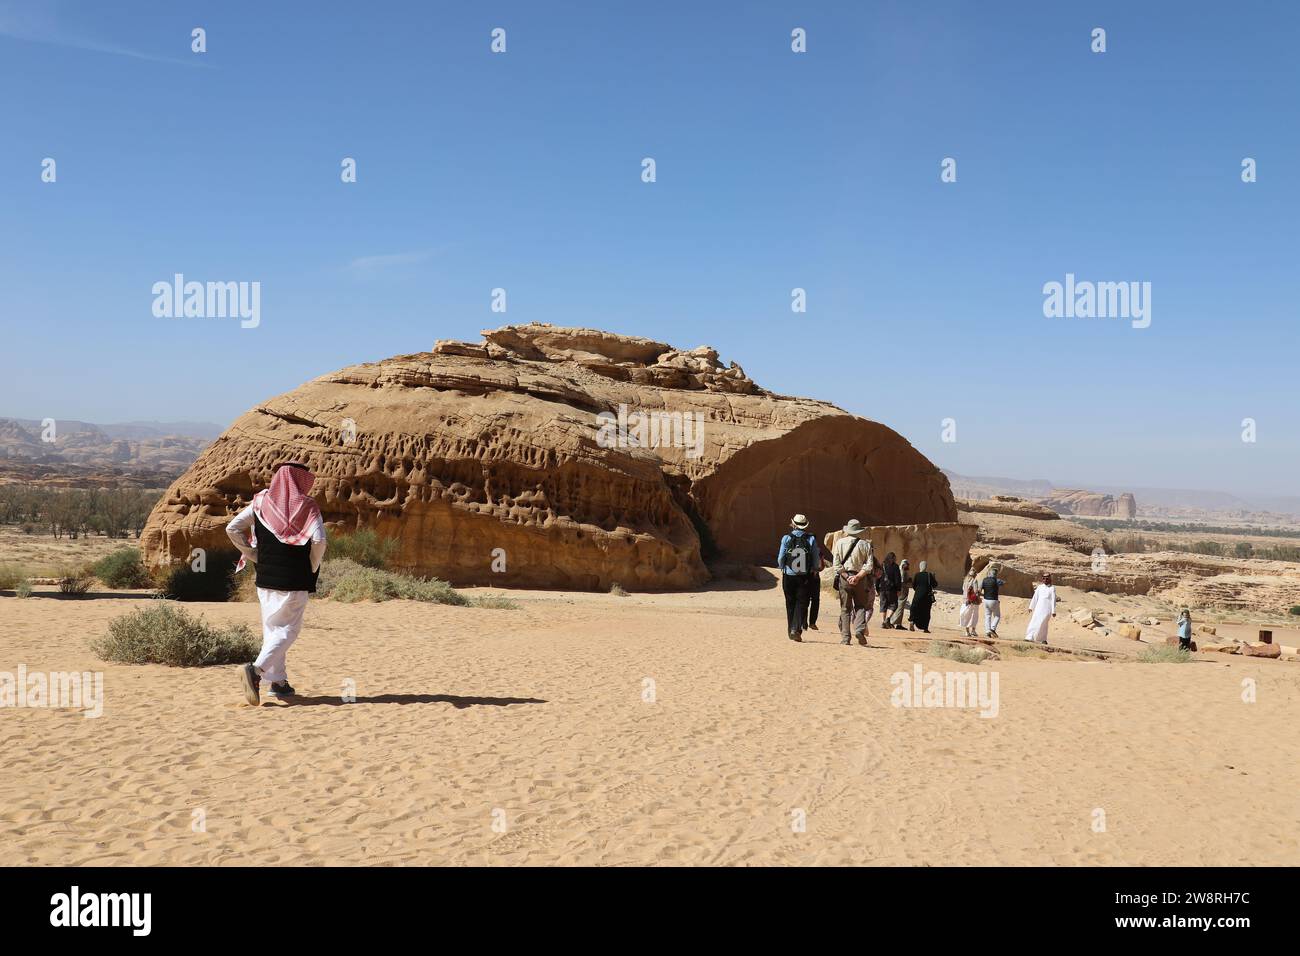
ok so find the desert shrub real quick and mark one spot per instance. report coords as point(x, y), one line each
point(1164, 654)
point(957, 652)
point(74, 581)
point(11, 575)
point(364, 547)
point(350, 582)
point(616, 589)
point(24, 589)
point(244, 585)
point(163, 633)
point(180, 582)
point(122, 569)
point(497, 602)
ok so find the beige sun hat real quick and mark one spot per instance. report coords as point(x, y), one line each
point(799, 521)
point(854, 528)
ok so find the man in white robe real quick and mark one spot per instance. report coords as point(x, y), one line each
point(1042, 607)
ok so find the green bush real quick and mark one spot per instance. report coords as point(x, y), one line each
point(24, 589)
point(1164, 654)
point(11, 575)
point(364, 547)
point(618, 590)
point(180, 582)
point(163, 633)
point(122, 569)
point(347, 581)
point(74, 581)
point(498, 602)
point(957, 652)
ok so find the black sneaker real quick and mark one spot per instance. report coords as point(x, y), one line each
point(282, 689)
point(795, 636)
point(252, 684)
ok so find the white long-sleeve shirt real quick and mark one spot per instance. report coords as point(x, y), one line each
point(239, 527)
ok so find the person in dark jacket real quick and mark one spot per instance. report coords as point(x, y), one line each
point(924, 586)
point(800, 562)
point(891, 582)
point(815, 595)
point(283, 534)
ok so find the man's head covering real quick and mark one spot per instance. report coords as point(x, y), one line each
point(891, 558)
point(286, 509)
point(854, 528)
point(800, 522)
point(922, 566)
point(904, 564)
point(1047, 578)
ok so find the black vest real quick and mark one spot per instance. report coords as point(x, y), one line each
point(280, 566)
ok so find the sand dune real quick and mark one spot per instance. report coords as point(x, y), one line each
point(536, 717)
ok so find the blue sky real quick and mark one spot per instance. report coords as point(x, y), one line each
point(775, 170)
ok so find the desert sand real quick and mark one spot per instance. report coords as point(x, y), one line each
point(536, 718)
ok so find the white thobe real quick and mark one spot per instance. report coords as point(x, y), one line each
point(1043, 606)
point(282, 611)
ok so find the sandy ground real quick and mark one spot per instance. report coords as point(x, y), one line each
point(501, 737)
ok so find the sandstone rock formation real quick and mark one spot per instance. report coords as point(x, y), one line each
point(944, 546)
point(1008, 505)
point(1091, 504)
point(576, 458)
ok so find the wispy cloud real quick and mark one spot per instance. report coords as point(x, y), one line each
point(38, 24)
point(367, 266)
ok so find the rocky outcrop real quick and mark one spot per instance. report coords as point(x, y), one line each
point(1091, 504)
point(551, 457)
point(945, 547)
point(1008, 505)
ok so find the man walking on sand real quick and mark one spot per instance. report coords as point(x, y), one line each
point(854, 565)
point(992, 606)
point(800, 562)
point(283, 534)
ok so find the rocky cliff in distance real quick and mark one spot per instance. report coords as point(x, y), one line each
point(573, 458)
point(1090, 504)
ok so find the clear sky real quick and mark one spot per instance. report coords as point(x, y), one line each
point(775, 170)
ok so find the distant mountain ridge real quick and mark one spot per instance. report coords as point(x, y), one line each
point(157, 448)
point(1152, 501)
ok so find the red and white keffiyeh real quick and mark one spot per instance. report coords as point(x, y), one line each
point(286, 508)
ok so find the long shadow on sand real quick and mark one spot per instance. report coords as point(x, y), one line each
point(458, 702)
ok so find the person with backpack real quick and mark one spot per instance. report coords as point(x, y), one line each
point(854, 566)
point(992, 606)
point(969, 617)
point(923, 597)
point(891, 581)
point(800, 562)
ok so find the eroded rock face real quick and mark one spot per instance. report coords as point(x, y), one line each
point(573, 458)
point(1091, 504)
point(945, 547)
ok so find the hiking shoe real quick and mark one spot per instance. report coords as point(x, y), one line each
point(812, 627)
point(282, 689)
point(862, 640)
point(252, 684)
point(795, 636)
